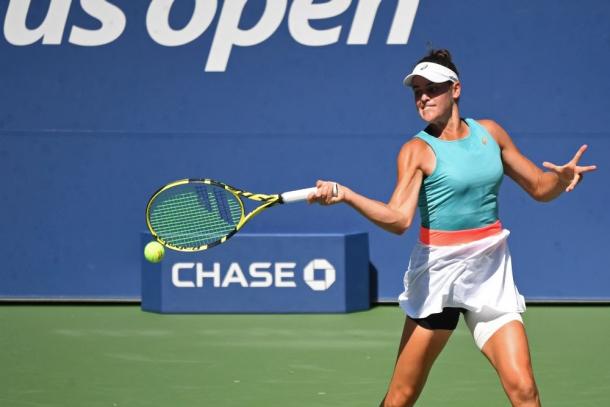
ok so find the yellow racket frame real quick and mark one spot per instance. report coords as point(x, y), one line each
point(268, 201)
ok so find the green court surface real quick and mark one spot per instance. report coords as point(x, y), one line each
point(83, 355)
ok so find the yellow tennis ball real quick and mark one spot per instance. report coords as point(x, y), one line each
point(154, 252)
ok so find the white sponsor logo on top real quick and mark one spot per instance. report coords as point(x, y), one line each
point(318, 274)
point(299, 13)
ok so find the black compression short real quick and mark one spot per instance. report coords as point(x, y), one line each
point(447, 319)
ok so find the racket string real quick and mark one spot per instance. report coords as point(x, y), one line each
point(195, 217)
point(197, 232)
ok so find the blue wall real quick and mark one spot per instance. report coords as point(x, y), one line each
point(88, 132)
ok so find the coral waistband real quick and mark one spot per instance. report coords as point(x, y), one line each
point(453, 237)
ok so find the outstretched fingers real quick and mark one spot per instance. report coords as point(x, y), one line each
point(575, 180)
point(571, 174)
point(551, 166)
point(579, 154)
point(586, 168)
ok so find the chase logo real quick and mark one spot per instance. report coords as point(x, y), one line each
point(319, 274)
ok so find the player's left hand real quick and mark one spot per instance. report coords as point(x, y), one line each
point(571, 173)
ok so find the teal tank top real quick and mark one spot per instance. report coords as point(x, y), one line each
point(462, 191)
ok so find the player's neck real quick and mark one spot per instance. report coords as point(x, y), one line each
point(452, 128)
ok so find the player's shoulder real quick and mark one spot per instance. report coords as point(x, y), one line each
point(413, 146)
point(491, 126)
point(413, 150)
point(495, 129)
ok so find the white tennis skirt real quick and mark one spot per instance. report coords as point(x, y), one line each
point(475, 276)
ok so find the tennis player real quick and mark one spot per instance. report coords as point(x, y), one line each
point(452, 171)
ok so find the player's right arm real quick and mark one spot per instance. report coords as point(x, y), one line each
point(395, 216)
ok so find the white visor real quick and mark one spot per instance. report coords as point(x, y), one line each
point(433, 72)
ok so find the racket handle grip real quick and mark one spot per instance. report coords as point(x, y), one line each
point(298, 195)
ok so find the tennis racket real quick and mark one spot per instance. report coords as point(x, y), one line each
point(197, 214)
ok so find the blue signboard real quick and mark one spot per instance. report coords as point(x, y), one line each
point(104, 101)
point(277, 273)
